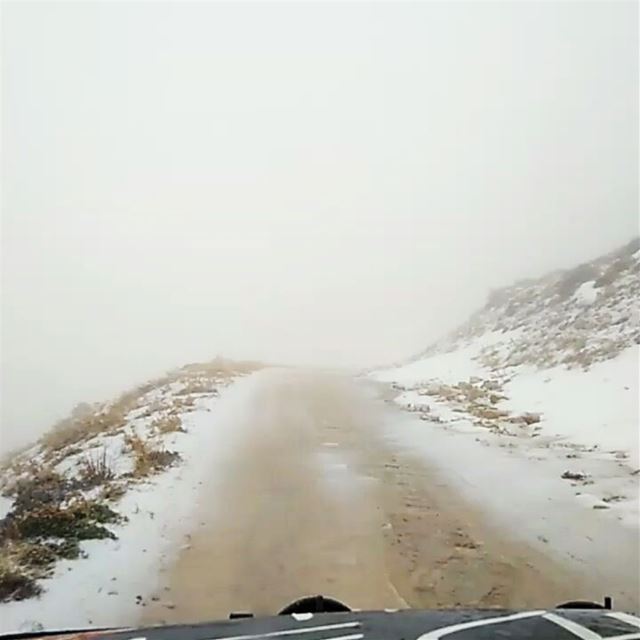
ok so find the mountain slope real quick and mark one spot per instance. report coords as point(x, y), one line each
point(574, 317)
point(547, 368)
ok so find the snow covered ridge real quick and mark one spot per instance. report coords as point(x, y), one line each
point(79, 486)
point(575, 317)
point(548, 371)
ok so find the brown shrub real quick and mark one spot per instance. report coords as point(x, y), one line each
point(148, 457)
point(87, 421)
point(154, 407)
point(487, 413)
point(525, 418)
point(42, 486)
point(470, 391)
point(69, 431)
point(113, 491)
point(198, 385)
point(167, 424)
point(182, 405)
point(96, 469)
point(220, 368)
point(15, 583)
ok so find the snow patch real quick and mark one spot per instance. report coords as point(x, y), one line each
point(598, 407)
point(586, 294)
point(448, 367)
point(5, 506)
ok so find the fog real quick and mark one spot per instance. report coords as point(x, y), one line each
point(327, 184)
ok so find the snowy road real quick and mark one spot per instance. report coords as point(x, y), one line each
point(314, 498)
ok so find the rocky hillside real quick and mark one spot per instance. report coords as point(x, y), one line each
point(574, 317)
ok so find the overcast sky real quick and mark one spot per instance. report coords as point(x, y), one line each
point(331, 183)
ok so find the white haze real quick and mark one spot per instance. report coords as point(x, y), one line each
point(330, 184)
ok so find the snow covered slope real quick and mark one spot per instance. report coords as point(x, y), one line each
point(97, 506)
point(548, 369)
point(575, 317)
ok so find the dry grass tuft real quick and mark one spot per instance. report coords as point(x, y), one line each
point(149, 458)
point(182, 404)
point(87, 421)
point(113, 491)
point(219, 369)
point(167, 424)
point(527, 418)
point(15, 582)
point(198, 385)
point(23, 562)
point(486, 413)
point(96, 469)
point(71, 431)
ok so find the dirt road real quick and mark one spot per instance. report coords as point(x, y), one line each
point(315, 501)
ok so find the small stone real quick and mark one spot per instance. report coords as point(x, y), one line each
point(574, 475)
